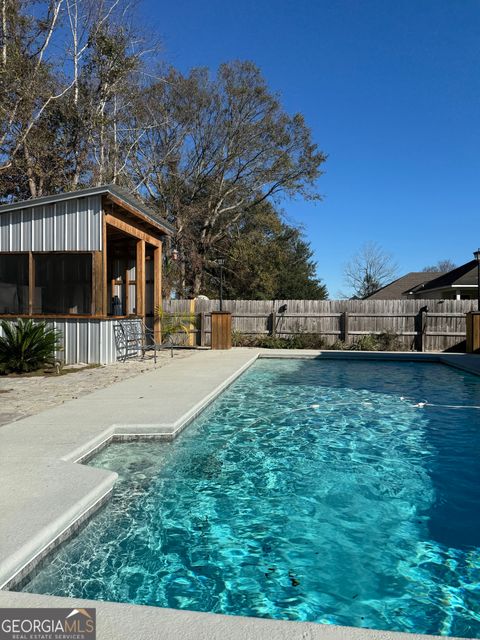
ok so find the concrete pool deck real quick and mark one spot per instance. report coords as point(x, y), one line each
point(44, 495)
point(135, 622)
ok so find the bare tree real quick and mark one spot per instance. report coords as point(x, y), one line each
point(66, 90)
point(369, 269)
point(442, 266)
point(24, 94)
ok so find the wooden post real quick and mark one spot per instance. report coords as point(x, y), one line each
point(344, 328)
point(191, 325)
point(202, 328)
point(473, 332)
point(127, 293)
point(97, 285)
point(273, 320)
point(31, 283)
point(157, 293)
point(423, 334)
point(469, 331)
point(104, 287)
point(420, 329)
point(140, 279)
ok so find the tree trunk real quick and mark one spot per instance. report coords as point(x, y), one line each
point(32, 185)
point(197, 283)
point(115, 141)
point(3, 34)
point(101, 154)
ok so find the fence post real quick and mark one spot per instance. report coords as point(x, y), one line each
point(344, 328)
point(424, 328)
point(192, 334)
point(421, 329)
point(202, 328)
point(273, 325)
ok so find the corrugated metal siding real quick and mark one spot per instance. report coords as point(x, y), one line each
point(73, 225)
point(85, 341)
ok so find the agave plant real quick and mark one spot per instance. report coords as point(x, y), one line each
point(27, 346)
point(174, 325)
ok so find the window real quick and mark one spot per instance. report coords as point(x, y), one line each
point(63, 283)
point(14, 283)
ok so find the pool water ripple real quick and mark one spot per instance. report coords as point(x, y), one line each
point(308, 491)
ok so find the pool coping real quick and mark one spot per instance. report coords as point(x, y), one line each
point(218, 370)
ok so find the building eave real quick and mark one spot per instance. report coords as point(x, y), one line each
point(453, 287)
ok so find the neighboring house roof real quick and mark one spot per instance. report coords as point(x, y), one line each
point(402, 287)
point(463, 276)
point(107, 190)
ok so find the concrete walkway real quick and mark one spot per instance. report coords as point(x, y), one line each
point(43, 493)
point(25, 396)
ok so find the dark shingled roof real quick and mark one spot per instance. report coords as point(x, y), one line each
point(400, 288)
point(112, 189)
point(466, 274)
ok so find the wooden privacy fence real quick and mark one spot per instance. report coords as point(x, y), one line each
point(422, 325)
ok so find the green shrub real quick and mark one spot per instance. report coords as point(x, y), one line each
point(385, 341)
point(274, 342)
point(260, 341)
point(306, 341)
point(365, 343)
point(389, 341)
point(295, 341)
point(175, 326)
point(240, 339)
point(26, 346)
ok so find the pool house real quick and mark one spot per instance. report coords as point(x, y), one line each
point(81, 261)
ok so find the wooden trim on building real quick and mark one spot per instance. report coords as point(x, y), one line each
point(104, 287)
point(127, 290)
point(140, 279)
point(157, 291)
point(97, 284)
point(118, 223)
point(31, 282)
point(137, 213)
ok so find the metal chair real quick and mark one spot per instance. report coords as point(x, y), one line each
point(133, 337)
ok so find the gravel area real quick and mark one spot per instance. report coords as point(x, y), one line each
point(25, 396)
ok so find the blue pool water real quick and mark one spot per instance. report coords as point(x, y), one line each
point(308, 491)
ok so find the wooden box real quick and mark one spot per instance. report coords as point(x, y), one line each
point(473, 332)
point(221, 330)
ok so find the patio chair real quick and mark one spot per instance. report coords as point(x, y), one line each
point(133, 337)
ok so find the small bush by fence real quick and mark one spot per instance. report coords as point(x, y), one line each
point(421, 325)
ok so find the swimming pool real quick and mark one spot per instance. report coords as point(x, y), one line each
point(310, 490)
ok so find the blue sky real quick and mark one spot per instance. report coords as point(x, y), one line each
point(391, 91)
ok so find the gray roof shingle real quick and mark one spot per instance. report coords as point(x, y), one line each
point(466, 274)
point(400, 288)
